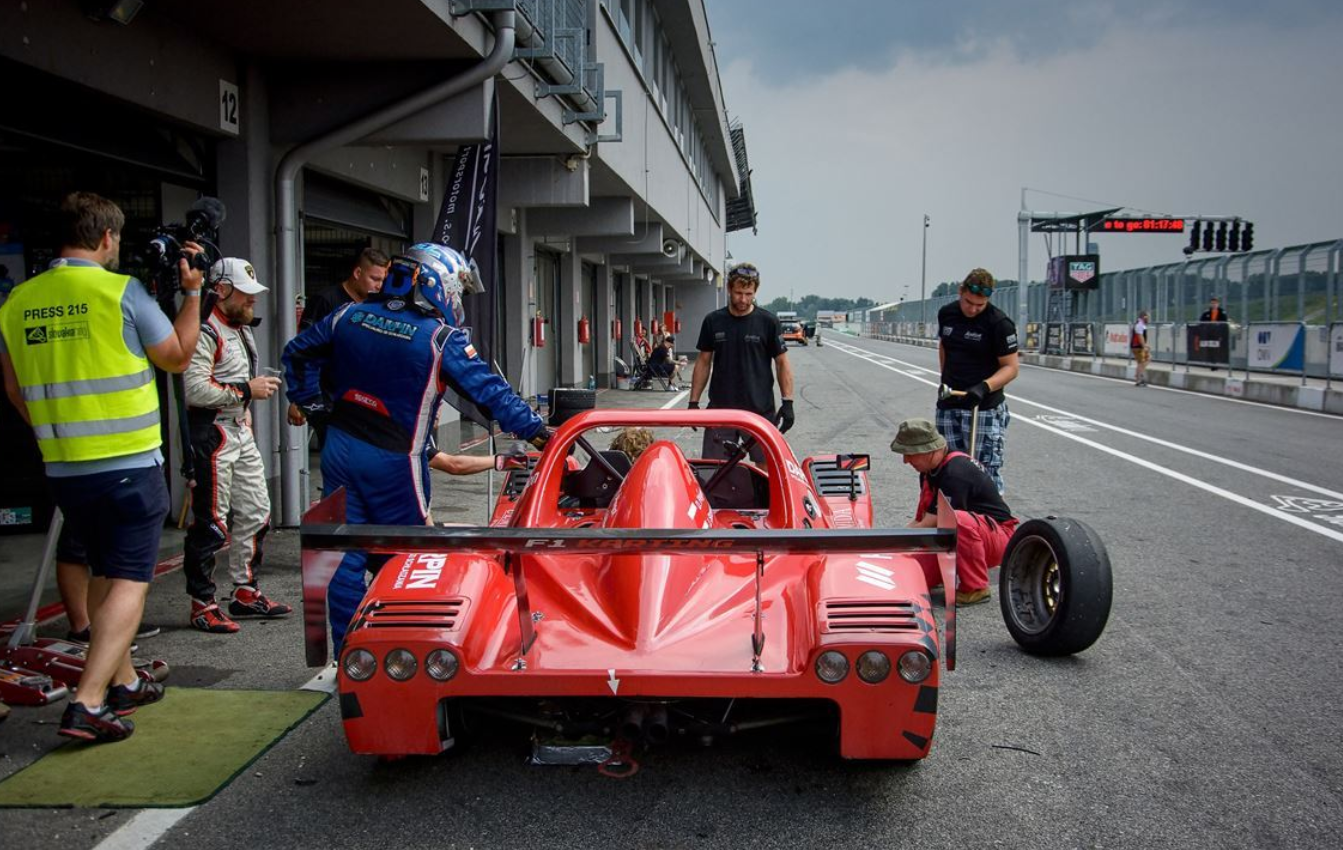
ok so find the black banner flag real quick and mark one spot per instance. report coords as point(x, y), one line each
point(1208, 342)
point(468, 222)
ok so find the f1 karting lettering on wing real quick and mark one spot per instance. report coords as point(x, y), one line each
point(550, 543)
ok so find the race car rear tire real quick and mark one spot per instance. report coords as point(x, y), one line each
point(1055, 586)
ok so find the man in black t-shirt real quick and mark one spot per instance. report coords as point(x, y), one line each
point(737, 344)
point(984, 523)
point(369, 271)
point(977, 348)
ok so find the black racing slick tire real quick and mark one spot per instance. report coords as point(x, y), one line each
point(1055, 586)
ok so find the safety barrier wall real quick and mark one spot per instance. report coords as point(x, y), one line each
point(1283, 348)
point(1299, 283)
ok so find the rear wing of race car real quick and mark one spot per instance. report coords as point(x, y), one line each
point(325, 536)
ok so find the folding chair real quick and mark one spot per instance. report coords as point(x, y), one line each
point(644, 376)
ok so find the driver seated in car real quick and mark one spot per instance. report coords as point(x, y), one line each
point(632, 441)
point(984, 523)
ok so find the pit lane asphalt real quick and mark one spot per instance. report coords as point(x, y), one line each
point(1207, 716)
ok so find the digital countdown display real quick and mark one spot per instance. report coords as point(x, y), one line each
point(1142, 225)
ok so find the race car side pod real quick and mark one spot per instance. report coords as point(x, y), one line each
point(324, 537)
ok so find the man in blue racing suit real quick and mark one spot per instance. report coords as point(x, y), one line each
point(389, 359)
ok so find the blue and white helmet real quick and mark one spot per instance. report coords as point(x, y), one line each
point(434, 277)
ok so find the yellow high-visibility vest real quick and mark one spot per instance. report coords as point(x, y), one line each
point(89, 396)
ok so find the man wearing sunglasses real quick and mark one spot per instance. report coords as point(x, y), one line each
point(977, 348)
point(737, 344)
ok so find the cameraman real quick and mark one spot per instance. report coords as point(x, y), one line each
point(228, 497)
point(77, 343)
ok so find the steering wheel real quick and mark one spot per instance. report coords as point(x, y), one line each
point(737, 449)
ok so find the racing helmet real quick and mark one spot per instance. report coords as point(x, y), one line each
point(433, 277)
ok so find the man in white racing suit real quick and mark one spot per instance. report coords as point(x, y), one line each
point(229, 500)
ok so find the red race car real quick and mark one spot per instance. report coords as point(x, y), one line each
point(668, 597)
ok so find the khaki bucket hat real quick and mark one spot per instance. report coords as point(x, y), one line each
point(916, 437)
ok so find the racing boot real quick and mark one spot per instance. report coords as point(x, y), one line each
point(249, 602)
point(125, 699)
point(104, 727)
point(207, 617)
point(972, 597)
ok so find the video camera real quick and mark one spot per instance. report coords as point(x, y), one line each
point(165, 249)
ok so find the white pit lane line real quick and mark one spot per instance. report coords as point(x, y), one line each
point(1276, 513)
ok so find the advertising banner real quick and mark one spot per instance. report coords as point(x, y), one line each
point(1116, 341)
point(1336, 351)
point(1054, 338)
point(1278, 346)
point(1031, 340)
point(1080, 339)
point(468, 222)
point(1208, 342)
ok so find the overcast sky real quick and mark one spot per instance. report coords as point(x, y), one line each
point(865, 116)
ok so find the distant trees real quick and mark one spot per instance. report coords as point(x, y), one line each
point(808, 305)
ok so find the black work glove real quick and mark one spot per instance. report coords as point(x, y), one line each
point(784, 419)
point(513, 455)
point(540, 438)
point(974, 397)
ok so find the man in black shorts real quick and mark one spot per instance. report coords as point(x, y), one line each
point(977, 347)
point(94, 410)
point(737, 344)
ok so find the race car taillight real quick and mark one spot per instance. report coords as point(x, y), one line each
point(915, 666)
point(832, 667)
point(873, 666)
point(360, 665)
point(441, 665)
point(400, 664)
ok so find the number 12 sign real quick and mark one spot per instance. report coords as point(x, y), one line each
point(228, 107)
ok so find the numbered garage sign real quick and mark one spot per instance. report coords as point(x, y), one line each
point(228, 107)
point(1279, 347)
point(1336, 350)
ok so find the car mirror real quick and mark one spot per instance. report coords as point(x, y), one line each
point(853, 463)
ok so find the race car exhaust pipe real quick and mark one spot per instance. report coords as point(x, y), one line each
point(632, 726)
point(656, 727)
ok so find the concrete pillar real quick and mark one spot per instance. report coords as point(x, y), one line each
point(625, 312)
point(519, 305)
point(604, 311)
point(245, 171)
point(565, 327)
point(646, 289)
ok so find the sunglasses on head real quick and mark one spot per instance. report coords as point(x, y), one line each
point(744, 272)
point(978, 289)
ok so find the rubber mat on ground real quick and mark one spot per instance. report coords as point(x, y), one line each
point(184, 750)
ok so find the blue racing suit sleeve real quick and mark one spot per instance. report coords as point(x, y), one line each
point(303, 359)
point(471, 377)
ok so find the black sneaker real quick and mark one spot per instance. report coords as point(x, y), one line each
point(123, 701)
point(146, 630)
point(83, 637)
point(101, 728)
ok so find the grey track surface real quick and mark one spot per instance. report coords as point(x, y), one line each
point(1208, 715)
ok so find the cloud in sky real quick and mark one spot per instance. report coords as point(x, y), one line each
point(1171, 108)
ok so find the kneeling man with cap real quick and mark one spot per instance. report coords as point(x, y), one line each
point(984, 523)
